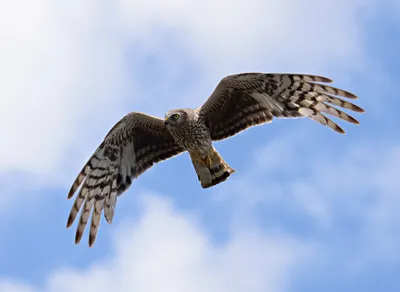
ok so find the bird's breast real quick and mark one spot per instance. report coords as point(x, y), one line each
point(193, 138)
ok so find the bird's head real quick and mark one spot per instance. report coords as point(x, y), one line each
point(175, 118)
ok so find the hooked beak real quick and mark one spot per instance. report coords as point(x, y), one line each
point(166, 122)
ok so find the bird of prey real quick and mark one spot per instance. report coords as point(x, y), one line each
point(238, 102)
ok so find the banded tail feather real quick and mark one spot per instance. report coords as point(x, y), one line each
point(213, 170)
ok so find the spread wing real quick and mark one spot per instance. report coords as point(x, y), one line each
point(248, 99)
point(132, 146)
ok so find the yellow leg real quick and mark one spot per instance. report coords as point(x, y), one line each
point(208, 161)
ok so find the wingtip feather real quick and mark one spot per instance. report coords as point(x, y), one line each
point(71, 193)
point(92, 239)
point(78, 237)
point(359, 110)
point(353, 120)
point(70, 221)
point(76, 184)
point(340, 131)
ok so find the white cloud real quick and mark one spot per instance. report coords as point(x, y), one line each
point(11, 286)
point(56, 76)
point(237, 34)
point(340, 183)
point(65, 80)
point(173, 247)
point(63, 66)
point(169, 251)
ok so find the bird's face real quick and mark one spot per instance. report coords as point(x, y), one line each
point(174, 118)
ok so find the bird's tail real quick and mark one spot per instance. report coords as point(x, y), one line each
point(212, 170)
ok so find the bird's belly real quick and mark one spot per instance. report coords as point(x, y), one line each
point(194, 144)
point(193, 138)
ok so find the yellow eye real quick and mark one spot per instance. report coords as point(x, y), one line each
point(175, 116)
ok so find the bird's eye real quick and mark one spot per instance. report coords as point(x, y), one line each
point(175, 116)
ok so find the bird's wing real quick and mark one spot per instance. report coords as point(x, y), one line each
point(248, 99)
point(132, 146)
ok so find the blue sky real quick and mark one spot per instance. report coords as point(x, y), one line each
point(306, 210)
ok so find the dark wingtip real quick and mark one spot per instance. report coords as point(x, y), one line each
point(350, 95)
point(325, 79)
point(359, 110)
point(92, 239)
point(353, 120)
point(70, 221)
point(340, 130)
point(78, 237)
point(71, 192)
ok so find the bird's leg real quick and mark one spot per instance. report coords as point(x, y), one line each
point(203, 159)
point(208, 161)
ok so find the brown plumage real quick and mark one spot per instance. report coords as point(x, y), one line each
point(239, 101)
point(133, 145)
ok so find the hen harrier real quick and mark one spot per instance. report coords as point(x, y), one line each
point(239, 101)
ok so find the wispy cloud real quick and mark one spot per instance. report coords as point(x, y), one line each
point(10, 286)
point(303, 202)
point(167, 250)
point(57, 75)
point(334, 189)
point(63, 65)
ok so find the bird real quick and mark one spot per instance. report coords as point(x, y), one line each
point(239, 101)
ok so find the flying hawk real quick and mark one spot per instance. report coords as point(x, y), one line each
point(239, 101)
